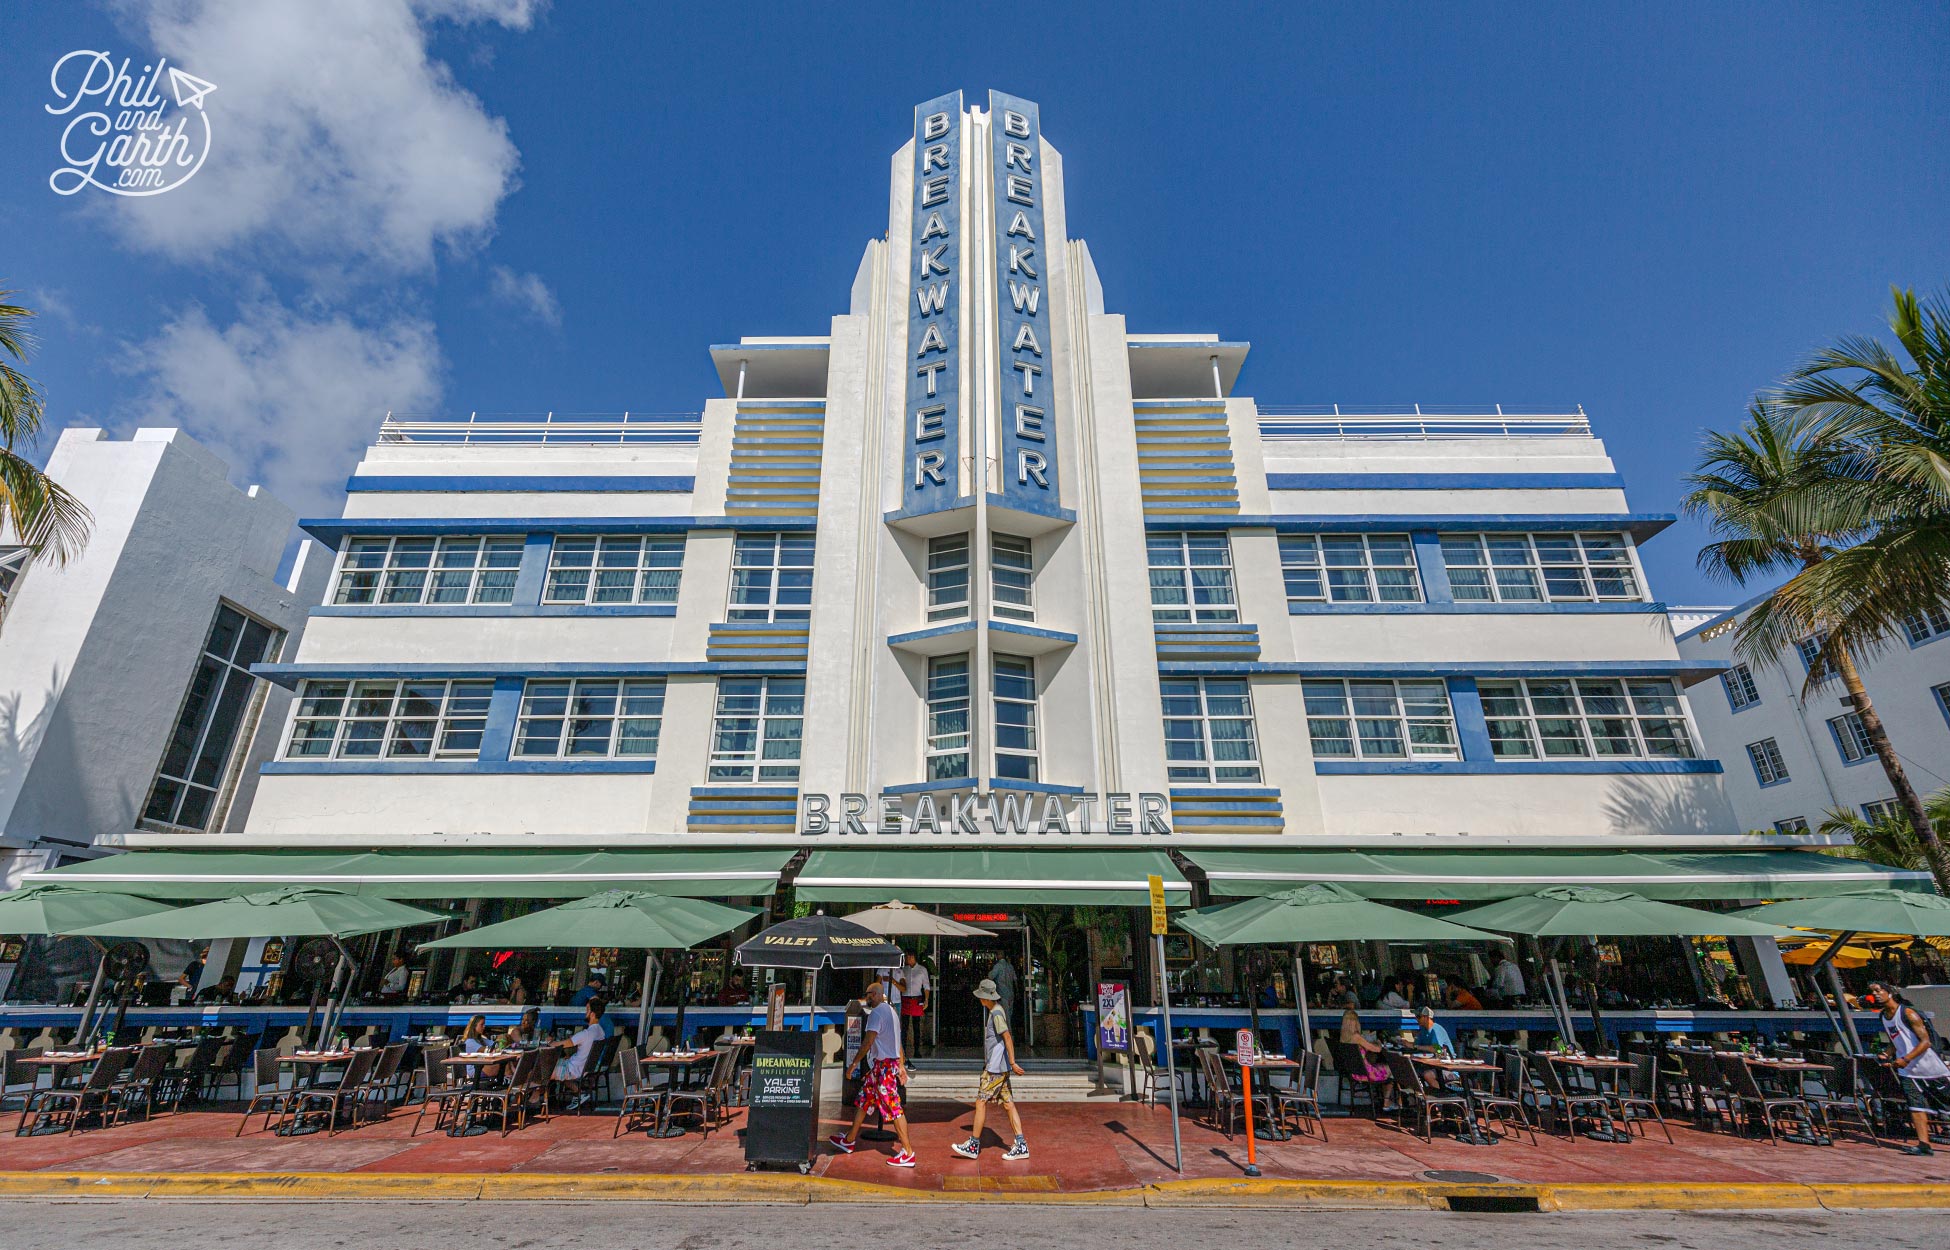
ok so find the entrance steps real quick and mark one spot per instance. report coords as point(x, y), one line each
point(1044, 1080)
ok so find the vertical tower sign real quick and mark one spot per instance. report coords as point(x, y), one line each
point(933, 414)
point(1028, 460)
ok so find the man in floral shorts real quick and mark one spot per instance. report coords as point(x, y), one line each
point(882, 1072)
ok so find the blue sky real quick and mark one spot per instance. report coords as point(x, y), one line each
point(506, 205)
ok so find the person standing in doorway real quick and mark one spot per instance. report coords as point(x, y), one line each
point(916, 986)
point(998, 1065)
point(1507, 980)
point(1924, 1075)
point(1003, 973)
point(882, 1072)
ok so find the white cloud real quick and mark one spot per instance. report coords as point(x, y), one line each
point(289, 399)
point(336, 140)
point(527, 292)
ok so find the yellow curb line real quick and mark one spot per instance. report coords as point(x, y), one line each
point(785, 1188)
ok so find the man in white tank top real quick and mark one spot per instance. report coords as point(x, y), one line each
point(1925, 1077)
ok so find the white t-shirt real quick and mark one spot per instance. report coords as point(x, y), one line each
point(890, 985)
point(1508, 979)
point(917, 982)
point(995, 1052)
point(886, 1029)
point(585, 1040)
point(395, 982)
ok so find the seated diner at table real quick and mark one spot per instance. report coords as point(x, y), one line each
point(1364, 1046)
point(569, 1069)
point(474, 1037)
point(1434, 1038)
point(524, 1032)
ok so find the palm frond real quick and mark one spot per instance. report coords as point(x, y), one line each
point(43, 513)
point(21, 405)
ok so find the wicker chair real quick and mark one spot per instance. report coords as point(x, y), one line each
point(94, 1096)
point(1637, 1098)
point(642, 1099)
point(1413, 1096)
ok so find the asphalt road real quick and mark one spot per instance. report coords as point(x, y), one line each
point(378, 1225)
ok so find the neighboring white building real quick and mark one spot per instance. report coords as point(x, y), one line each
point(1793, 756)
point(115, 714)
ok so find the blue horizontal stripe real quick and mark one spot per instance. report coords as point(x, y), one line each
point(760, 820)
point(745, 792)
point(1227, 822)
point(1640, 525)
point(1413, 668)
point(1444, 481)
point(1242, 792)
point(334, 529)
point(456, 484)
point(1034, 787)
point(291, 674)
point(1245, 807)
point(496, 609)
point(923, 787)
point(472, 768)
point(933, 631)
point(1206, 627)
point(1475, 608)
point(760, 627)
point(1476, 768)
point(1031, 631)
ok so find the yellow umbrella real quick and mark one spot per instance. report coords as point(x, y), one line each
point(1847, 957)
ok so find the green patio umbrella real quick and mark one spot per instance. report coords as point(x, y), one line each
point(1588, 911)
point(1846, 915)
point(58, 911)
point(1321, 912)
point(295, 911)
point(624, 918)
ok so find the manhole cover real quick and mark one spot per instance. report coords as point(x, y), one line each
point(1461, 1178)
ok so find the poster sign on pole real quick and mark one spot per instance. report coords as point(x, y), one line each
point(1114, 1016)
point(1157, 885)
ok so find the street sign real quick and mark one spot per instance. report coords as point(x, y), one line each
point(1157, 905)
point(1245, 1047)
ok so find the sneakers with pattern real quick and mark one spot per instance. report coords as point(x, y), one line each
point(904, 1159)
point(1020, 1150)
point(970, 1149)
point(840, 1143)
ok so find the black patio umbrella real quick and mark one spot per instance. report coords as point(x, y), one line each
point(813, 942)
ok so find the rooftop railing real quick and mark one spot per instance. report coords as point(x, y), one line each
point(1420, 422)
point(567, 428)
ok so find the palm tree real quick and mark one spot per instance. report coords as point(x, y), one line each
point(42, 514)
point(1789, 492)
point(1890, 840)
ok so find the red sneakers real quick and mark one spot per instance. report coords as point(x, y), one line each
point(904, 1159)
point(840, 1143)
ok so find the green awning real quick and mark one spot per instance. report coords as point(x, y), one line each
point(1494, 874)
point(967, 875)
point(429, 874)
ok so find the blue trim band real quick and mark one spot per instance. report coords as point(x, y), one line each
point(1475, 608)
point(1501, 768)
point(932, 631)
point(496, 609)
point(915, 513)
point(1444, 481)
point(1032, 506)
point(1640, 525)
point(334, 529)
point(291, 674)
point(1032, 631)
point(466, 768)
point(1033, 787)
point(924, 787)
point(445, 484)
point(1472, 730)
point(1413, 668)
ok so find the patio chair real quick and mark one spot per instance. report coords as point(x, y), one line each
point(16, 1078)
point(137, 1086)
point(270, 1095)
point(381, 1088)
point(1509, 1097)
point(182, 1080)
point(1749, 1098)
point(710, 1099)
point(1413, 1096)
point(1351, 1067)
point(234, 1055)
point(1845, 1098)
point(94, 1096)
point(642, 1099)
point(1636, 1099)
point(1562, 1103)
point(1144, 1053)
point(447, 1087)
point(511, 1101)
point(1710, 1099)
point(1302, 1098)
point(336, 1098)
point(1886, 1090)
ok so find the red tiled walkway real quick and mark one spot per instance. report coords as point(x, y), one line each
point(1075, 1147)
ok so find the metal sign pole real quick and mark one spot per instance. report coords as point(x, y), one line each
point(1245, 1057)
point(1171, 1058)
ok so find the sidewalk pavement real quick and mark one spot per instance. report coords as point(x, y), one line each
point(1105, 1152)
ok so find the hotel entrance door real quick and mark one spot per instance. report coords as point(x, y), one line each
point(965, 962)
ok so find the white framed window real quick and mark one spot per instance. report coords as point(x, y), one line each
point(590, 718)
point(1191, 577)
point(1539, 568)
point(1933, 622)
point(1793, 824)
point(948, 577)
point(948, 728)
point(1012, 578)
point(756, 733)
point(1015, 717)
point(429, 570)
point(614, 569)
point(1851, 737)
point(1740, 688)
point(1209, 733)
point(419, 719)
point(1769, 768)
point(196, 756)
point(1566, 718)
point(1349, 568)
point(1380, 719)
point(1884, 810)
point(771, 577)
point(1809, 649)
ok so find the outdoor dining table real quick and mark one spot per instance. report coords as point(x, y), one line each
point(65, 1069)
point(681, 1064)
point(1269, 1064)
point(1465, 1068)
point(1781, 1069)
point(1603, 1072)
point(490, 1067)
point(306, 1067)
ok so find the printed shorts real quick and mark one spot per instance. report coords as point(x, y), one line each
point(1927, 1093)
point(994, 1087)
point(880, 1091)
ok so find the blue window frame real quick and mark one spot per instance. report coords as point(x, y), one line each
point(1769, 768)
point(1738, 682)
point(1881, 810)
point(1793, 824)
point(1851, 738)
point(1810, 649)
point(1927, 626)
point(1942, 694)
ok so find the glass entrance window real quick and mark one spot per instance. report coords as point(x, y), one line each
point(1015, 718)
